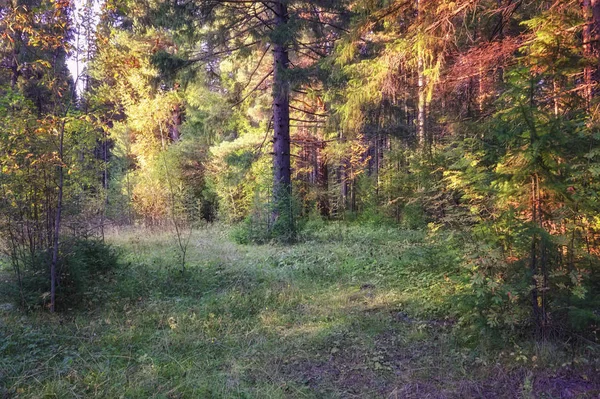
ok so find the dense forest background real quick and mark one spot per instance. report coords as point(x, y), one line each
point(475, 122)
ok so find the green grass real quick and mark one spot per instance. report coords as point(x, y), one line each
point(348, 312)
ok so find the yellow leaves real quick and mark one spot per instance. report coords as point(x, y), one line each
point(87, 118)
point(44, 63)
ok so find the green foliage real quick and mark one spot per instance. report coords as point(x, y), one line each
point(520, 181)
point(28, 183)
point(240, 173)
point(168, 64)
point(83, 264)
point(413, 216)
point(269, 222)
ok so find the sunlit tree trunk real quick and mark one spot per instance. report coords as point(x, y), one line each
point(591, 45)
point(176, 120)
point(421, 113)
point(421, 106)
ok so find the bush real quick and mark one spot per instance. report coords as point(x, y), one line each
point(253, 230)
point(413, 216)
point(82, 262)
point(260, 228)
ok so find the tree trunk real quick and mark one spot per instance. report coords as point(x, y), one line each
point(323, 182)
point(57, 220)
point(176, 120)
point(104, 179)
point(282, 188)
point(533, 265)
point(595, 41)
point(421, 86)
point(421, 104)
point(591, 45)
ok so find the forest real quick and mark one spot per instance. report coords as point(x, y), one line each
point(299, 199)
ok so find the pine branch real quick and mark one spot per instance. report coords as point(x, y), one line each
point(325, 23)
point(229, 50)
point(308, 112)
point(257, 66)
point(254, 89)
point(306, 121)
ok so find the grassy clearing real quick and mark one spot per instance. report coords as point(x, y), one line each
point(349, 312)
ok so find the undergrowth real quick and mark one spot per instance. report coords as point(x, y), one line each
point(349, 311)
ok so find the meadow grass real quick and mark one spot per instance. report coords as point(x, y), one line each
point(349, 311)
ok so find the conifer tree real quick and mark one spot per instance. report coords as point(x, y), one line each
point(299, 34)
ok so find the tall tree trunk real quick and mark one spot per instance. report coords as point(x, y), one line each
point(595, 41)
point(421, 86)
point(282, 187)
point(104, 180)
point(323, 182)
point(591, 45)
point(421, 113)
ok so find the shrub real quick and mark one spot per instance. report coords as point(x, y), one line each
point(260, 228)
point(81, 264)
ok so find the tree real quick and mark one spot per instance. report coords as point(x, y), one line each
point(48, 149)
point(299, 34)
point(526, 178)
point(282, 181)
point(591, 45)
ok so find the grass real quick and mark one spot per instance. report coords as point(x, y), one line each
point(349, 312)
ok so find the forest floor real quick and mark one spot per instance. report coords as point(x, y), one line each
point(350, 312)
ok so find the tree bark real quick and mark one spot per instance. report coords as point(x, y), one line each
point(176, 120)
point(282, 188)
point(591, 45)
point(421, 87)
point(323, 182)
